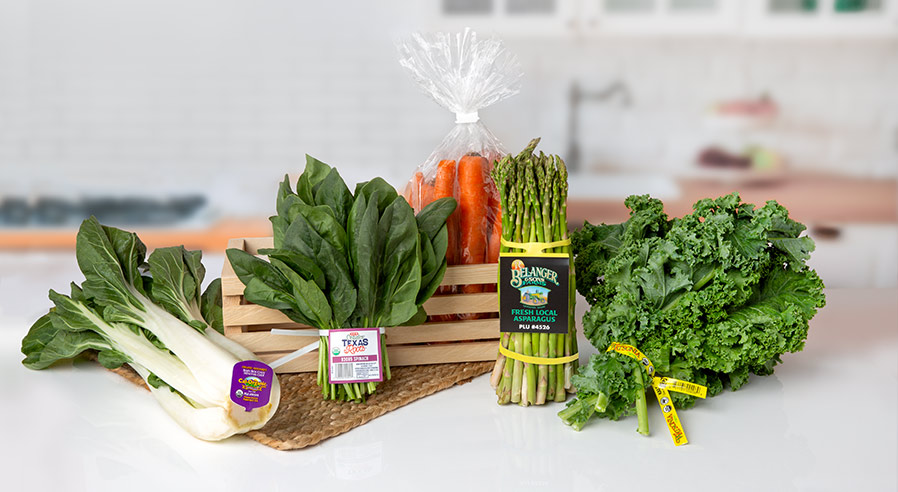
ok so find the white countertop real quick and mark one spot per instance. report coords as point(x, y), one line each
point(825, 421)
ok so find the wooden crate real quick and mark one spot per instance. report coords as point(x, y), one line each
point(430, 343)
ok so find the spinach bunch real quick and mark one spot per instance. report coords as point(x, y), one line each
point(710, 298)
point(346, 259)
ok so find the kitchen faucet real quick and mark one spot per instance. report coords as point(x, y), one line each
point(576, 96)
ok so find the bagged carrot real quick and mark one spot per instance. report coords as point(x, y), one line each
point(463, 73)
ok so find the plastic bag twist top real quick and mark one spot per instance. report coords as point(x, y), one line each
point(460, 71)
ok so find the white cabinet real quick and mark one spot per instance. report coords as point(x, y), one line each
point(810, 18)
point(509, 18)
point(737, 18)
point(661, 17)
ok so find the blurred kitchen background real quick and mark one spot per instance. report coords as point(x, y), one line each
point(177, 118)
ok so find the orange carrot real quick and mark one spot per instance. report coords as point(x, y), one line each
point(472, 205)
point(426, 193)
point(444, 185)
point(495, 237)
point(416, 191)
point(495, 214)
point(407, 194)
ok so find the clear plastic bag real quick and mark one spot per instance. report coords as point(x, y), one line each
point(463, 73)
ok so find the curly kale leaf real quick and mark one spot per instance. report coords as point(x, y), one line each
point(711, 297)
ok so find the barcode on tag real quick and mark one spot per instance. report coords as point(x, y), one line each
point(342, 371)
point(684, 387)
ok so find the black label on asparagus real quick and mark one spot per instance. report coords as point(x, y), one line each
point(533, 294)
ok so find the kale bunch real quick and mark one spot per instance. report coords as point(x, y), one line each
point(710, 298)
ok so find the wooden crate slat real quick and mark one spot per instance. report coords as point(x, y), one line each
point(486, 273)
point(228, 303)
point(263, 341)
point(253, 314)
point(254, 244)
point(402, 355)
point(231, 286)
point(476, 329)
point(480, 329)
point(227, 271)
point(303, 363)
point(485, 302)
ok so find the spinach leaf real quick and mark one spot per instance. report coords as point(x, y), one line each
point(248, 267)
point(321, 218)
point(433, 216)
point(334, 194)
point(285, 197)
point(401, 272)
point(431, 279)
point(365, 262)
point(316, 171)
point(386, 193)
point(308, 300)
point(305, 266)
point(278, 228)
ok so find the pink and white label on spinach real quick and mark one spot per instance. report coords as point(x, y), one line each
point(354, 355)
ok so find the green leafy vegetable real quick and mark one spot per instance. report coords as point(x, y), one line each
point(347, 260)
point(161, 324)
point(710, 298)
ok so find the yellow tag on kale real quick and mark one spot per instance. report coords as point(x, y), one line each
point(670, 416)
point(680, 386)
point(662, 387)
point(631, 351)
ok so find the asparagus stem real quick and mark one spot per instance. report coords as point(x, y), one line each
point(518, 369)
point(506, 384)
point(543, 386)
point(559, 371)
point(530, 372)
point(550, 392)
point(496, 376)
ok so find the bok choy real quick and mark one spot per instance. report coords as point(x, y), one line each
point(153, 316)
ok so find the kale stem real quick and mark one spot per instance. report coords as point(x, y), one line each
point(641, 406)
point(573, 414)
point(601, 402)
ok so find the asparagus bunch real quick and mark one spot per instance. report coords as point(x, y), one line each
point(533, 195)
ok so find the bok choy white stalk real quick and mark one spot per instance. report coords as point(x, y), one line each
point(161, 324)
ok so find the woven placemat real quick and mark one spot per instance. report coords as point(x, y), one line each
point(304, 418)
